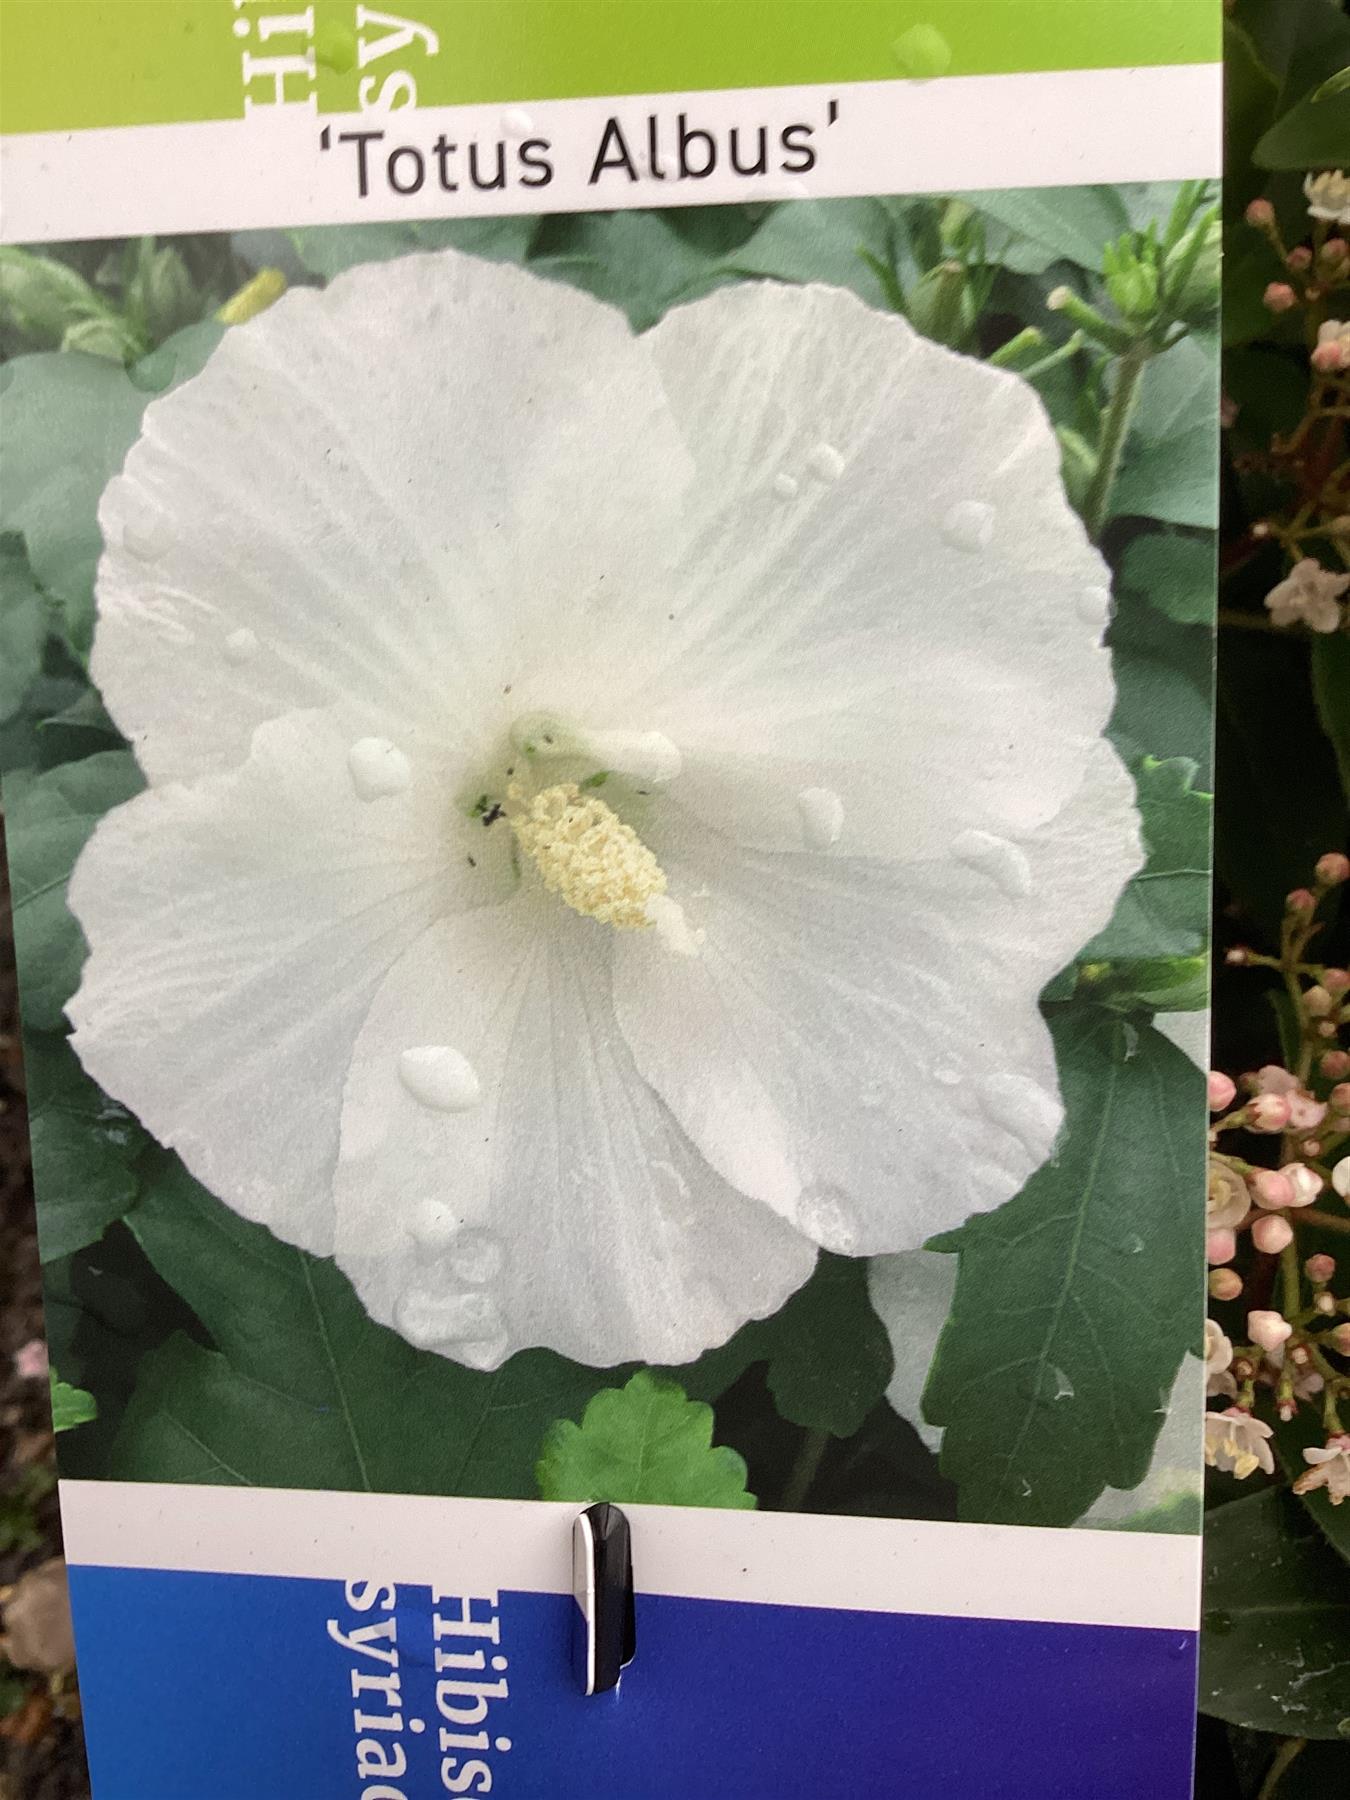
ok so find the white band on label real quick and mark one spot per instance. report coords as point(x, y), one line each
point(1072, 1577)
point(1051, 129)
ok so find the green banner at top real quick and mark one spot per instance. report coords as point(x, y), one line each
point(74, 64)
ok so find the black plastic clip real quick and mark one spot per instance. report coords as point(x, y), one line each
point(605, 1622)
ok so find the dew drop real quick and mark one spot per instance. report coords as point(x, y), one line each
point(821, 814)
point(825, 463)
point(1094, 607)
point(968, 525)
point(434, 1225)
point(476, 1256)
point(377, 768)
point(1003, 862)
point(147, 535)
point(1020, 1107)
point(516, 123)
point(439, 1077)
point(426, 1317)
point(825, 1215)
point(240, 646)
point(786, 486)
point(922, 52)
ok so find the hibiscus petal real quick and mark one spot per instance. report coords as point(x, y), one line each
point(238, 929)
point(380, 493)
point(882, 591)
point(506, 1177)
point(858, 1044)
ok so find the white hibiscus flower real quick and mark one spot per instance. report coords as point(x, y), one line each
point(613, 802)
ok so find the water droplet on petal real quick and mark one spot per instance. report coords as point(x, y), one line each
point(440, 1077)
point(516, 123)
point(377, 768)
point(1094, 607)
point(147, 534)
point(1023, 1109)
point(1003, 862)
point(825, 1215)
point(786, 487)
point(476, 1255)
point(434, 1225)
point(240, 646)
point(821, 813)
point(968, 525)
point(427, 1317)
point(825, 463)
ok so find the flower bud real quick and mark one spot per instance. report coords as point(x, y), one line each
point(1299, 901)
point(1335, 1064)
point(1339, 1097)
point(1333, 868)
point(1317, 1002)
point(1272, 1234)
point(1336, 981)
point(1268, 1112)
point(1261, 214)
point(1268, 1329)
point(1279, 297)
point(1220, 1246)
point(1334, 255)
point(1324, 1303)
point(1224, 1284)
point(1340, 1177)
point(1320, 1268)
point(1311, 1147)
point(1222, 1091)
point(1328, 358)
point(1299, 258)
point(1236, 957)
point(1305, 1113)
point(1306, 1183)
point(1272, 1190)
point(1339, 1339)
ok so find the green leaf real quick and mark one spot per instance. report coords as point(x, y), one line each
point(1276, 1621)
point(1164, 911)
point(1050, 225)
point(71, 1406)
point(1076, 1301)
point(49, 823)
point(1175, 572)
point(645, 1442)
point(1169, 470)
point(1164, 687)
point(85, 1148)
point(1331, 690)
point(23, 628)
point(326, 250)
point(632, 260)
point(1311, 135)
point(303, 1389)
point(857, 244)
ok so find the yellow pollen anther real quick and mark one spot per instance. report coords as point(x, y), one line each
point(587, 856)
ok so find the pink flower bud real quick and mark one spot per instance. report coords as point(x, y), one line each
point(1336, 981)
point(1286, 1409)
point(1268, 1112)
point(1299, 901)
point(1274, 1078)
point(1272, 1190)
point(1225, 1284)
point(1317, 1002)
point(1334, 252)
point(1261, 214)
point(1340, 1177)
point(1268, 1329)
point(1328, 358)
point(1299, 258)
point(1335, 1064)
point(1326, 1029)
point(1324, 1303)
point(1220, 1246)
point(1222, 1091)
point(1339, 1338)
point(1333, 868)
point(1320, 1267)
point(1306, 1183)
point(1311, 1147)
point(1272, 1234)
point(1279, 297)
point(1237, 956)
point(1339, 1097)
point(1306, 1114)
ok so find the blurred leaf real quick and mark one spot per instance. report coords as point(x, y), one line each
point(303, 1389)
point(642, 1443)
point(1164, 910)
point(327, 250)
point(632, 260)
point(85, 1148)
point(71, 1406)
point(1176, 573)
point(857, 244)
point(1041, 226)
point(1164, 681)
point(1084, 1292)
point(1169, 470)
point(49, 823)
point(1276, 1620)
point(1331, 689)
point(1313, 134)
point(23, 628)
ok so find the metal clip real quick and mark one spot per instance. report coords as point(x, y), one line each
point(604, 1624)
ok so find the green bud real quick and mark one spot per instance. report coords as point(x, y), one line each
point(106, 335)
point(1162, 984)
point(940, 305)
point(1077, 464)
point(1191, 273)
point(959, 226)
point(1130, 268)
point(162, 294)
point(42, 298)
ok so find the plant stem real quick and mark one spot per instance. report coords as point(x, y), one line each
point(804, 1470)
point(1289, 1283)
point(1288, 1750)
point(1328, 1221)
point(1115, 428)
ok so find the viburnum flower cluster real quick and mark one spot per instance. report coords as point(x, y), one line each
point(1314, 284)
point(1289, 1179)
point(613, 801)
